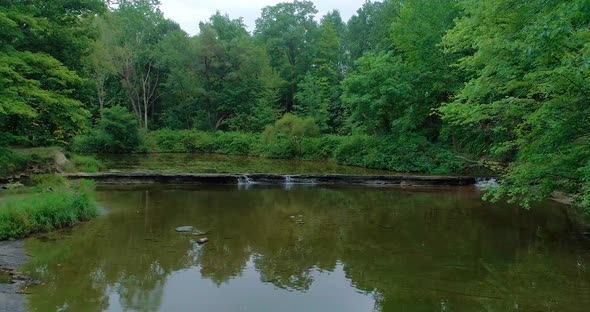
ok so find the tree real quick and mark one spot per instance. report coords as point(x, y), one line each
point(288, 31)
point(376, 93)
point(319, 91)
point(416, 36)
point(526, 99)
point(369, 29)
point(133, 31)
point(220, 78)
point(39, 95)
point(117, 131)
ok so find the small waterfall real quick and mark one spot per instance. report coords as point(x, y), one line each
point(288, 182)
point(245, 180)
point(483, 183)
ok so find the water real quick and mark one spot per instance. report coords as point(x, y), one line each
point(484, 183)
point(208, 163)
point(308, 248)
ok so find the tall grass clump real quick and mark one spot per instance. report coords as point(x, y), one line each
point(47, 211)
point(82, 163)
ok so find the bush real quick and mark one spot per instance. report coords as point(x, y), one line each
point(11, 162)
point(320, 148)
point(43, 181)
point(43, 212)
point(284, 140)
point(84, 164)
point(237, 143)
point(409, 153)
point(293, 128)
point(116, 132)
point(279, 148)
point(198, 141)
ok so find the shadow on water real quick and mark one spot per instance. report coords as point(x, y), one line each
point(312, 249)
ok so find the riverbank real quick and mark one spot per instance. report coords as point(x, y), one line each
point(46, 207)
point(397, 154)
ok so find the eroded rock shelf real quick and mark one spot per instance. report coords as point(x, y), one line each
point(264, 178)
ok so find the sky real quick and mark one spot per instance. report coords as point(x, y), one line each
point(188, 13)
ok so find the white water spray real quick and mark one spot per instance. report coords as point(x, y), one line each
point(484, 183)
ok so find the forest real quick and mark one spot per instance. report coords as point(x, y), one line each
point(435, 87)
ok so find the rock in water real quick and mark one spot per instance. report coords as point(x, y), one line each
point(184, 229)
point(203, 240)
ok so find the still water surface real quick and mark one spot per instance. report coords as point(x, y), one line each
point(312, 249)
point(213, 163)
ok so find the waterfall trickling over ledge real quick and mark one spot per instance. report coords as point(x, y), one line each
point(486, 183)
point(245, 180)
point(279, 179)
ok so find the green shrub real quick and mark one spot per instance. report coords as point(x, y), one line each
point(116, 132)
point(280, 148)
point(198, 141)
point(11, 162)
point(352, 150)
point(293, 128)
point(84, 164)
point(320, 148)
point(167, 140)
point(43, 212)
point(43, 181)
point(407, 153)
point(237, 143)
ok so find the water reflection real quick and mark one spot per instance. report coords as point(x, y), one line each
point(312, 249)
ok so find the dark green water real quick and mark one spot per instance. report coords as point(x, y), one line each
point(312, 249)
point(212, 163)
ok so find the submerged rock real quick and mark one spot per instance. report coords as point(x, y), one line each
point(186, 228)
point(203, 240)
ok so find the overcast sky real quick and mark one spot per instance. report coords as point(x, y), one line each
point(188, 13)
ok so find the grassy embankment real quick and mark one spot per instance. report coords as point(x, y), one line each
point(46, 201)
point(400, 154)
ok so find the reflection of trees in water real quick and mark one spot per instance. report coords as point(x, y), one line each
point(409, 249)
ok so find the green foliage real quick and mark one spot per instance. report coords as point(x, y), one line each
point(293, 128)
point(369, 29)
point(400, 154)
point(376, 93)
point(526, 101)
point(11, 162)
point(237, 143)
point(41, 46)
point(288, 31)
point(182, 141)
point(116, 132)
point(84, 164)
point(218, 80)
point(505, 81)
point(43, 181)
point(44, 212)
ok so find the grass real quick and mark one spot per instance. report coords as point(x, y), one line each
point(41, 211)
point(84, 164)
